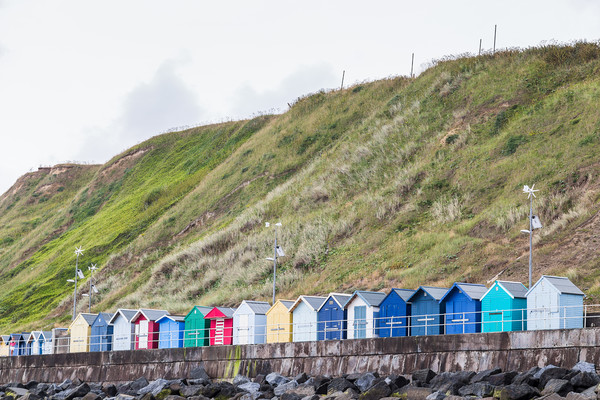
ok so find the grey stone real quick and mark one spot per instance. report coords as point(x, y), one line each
point(590, 392)
point(154, 387)
point(284, 387)
point(110, 390)
point(227, 390)
point(558, 386)
point(124, 397)
point(275, 379)
point(199, 373)
point(313, 397)
point(376, 392)
point(192, 390)
point(30, 396)
point(147, 396)
point(584, 367)
point(250, 387)
point(304, 390)
point(580, 396)
point(66, 384)
point(527, 377)
point(290, 396)
point(138, 384)
point(174, 397)
point(91, 396)
point(436, 396)
point(339, 385)
point(517, 392)
point(423, 375)
point(31, 385)
point(260, 378)
point(585, 380)
point(413, 393)
point(16, 390)
point(552, 373)
point(240, 379)
point(502, 378)
point(398, 381)
point(365, 381)
point(481, 376)
point(479, 389)
point(301, 378)
point(79, 391)
point(552, 396)
point(540, 371)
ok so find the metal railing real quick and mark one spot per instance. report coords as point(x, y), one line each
point(450, 322)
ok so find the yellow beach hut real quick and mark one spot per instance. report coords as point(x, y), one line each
point(80, 331)
point(4, 345)
point(279, 322)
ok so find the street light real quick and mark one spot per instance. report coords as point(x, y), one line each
point(534, 223)
point(277, 252)
point(78, 274)
point(93, 288)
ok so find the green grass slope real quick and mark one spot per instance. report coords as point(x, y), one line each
point(393, 183)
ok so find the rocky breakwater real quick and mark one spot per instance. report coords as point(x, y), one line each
point(550, 383)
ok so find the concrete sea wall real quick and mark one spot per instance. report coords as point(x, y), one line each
point(479, 351)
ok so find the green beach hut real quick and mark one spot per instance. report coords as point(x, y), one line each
point(196, 327)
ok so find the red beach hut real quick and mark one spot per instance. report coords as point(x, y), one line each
point(221, 325)
point(146, 328)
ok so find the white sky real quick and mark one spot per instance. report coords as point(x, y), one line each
point(83, 80)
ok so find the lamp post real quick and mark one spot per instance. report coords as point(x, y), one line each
point(277, 251)
point(530, 191)
point(78, 274)
point(93, 288)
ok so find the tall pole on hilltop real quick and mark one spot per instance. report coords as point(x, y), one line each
point(495, 29)
point(530, 191)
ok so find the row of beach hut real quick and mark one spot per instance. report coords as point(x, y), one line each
point(552, 303)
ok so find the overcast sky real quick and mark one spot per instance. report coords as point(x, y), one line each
point(83, 80)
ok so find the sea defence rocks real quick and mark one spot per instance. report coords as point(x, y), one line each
point(549, 383)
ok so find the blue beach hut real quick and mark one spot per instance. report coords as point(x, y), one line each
point(331, 317)
point(35, 343)
point(554, 302)
point(102, 333)
point(426, 311)
point(462, 305)
point(46, 342)
point(18, 344)
point(504, 307)
point(394, 313)
point(170, 331)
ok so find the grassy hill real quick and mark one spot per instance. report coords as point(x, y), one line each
point(393, 183)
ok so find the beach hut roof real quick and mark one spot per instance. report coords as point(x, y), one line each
point(125, 313)
point(221, 312)
point(436, 292)
point(87, 317)
point(150, 314)
point(47, 335)
point(404, 294)
point(5, 338)
point(474, 291)
point(340, 298)
point(516, 290)
point(561, 283)
point(373, 299)
point(106, 316)
point(175, 318)
point(313, 302)
point(35, 335)
point(203, 310)
point(287, 303)
point(257, 307)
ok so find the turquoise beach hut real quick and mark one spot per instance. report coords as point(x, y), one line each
point(504, 307)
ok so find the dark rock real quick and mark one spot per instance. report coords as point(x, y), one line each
point(584, 367)
point(31, 385)
point(175, 387)
point(163, 394)
point(275, 379)
point(584, 380)
point(398, 381)
point(227, 390)
point(436, 396)
point(301, 378)
point(199, 373)
point(198, 398)
point(412, 393)
point(339, 385)
point(155, 387)
point(540, 371)
point(30, 396)
point(203, 382)
point(483, 375)
point(91, 396)
point(423, 375)
point(66, 384)
point(192, 390)
point(174, 397)
point(138, 384)
point(79, 391)
point(121, 396)
point(268, 394)
point(147, 396)
point(240, 379)
point(285, 387)
point(479, 389)
point(558, 386)
point(313, 397)
point(320, 384)
point(260, 378)
point(290, 396)
point(376, 392)
point(552, 396)
point(110, 390)
point(528, 377)
point(517, 392)
point(304, 390)
point(502, 378)
point(365, 381)
point(552, 373)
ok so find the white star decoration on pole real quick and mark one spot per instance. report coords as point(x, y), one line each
point(530, 190)
point(78, 251)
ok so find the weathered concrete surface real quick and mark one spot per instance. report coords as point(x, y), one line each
point(480, 351)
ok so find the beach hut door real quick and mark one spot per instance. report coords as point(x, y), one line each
point(143, 342)
point(219, 331)
point(360, 322)
point(243, 329)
